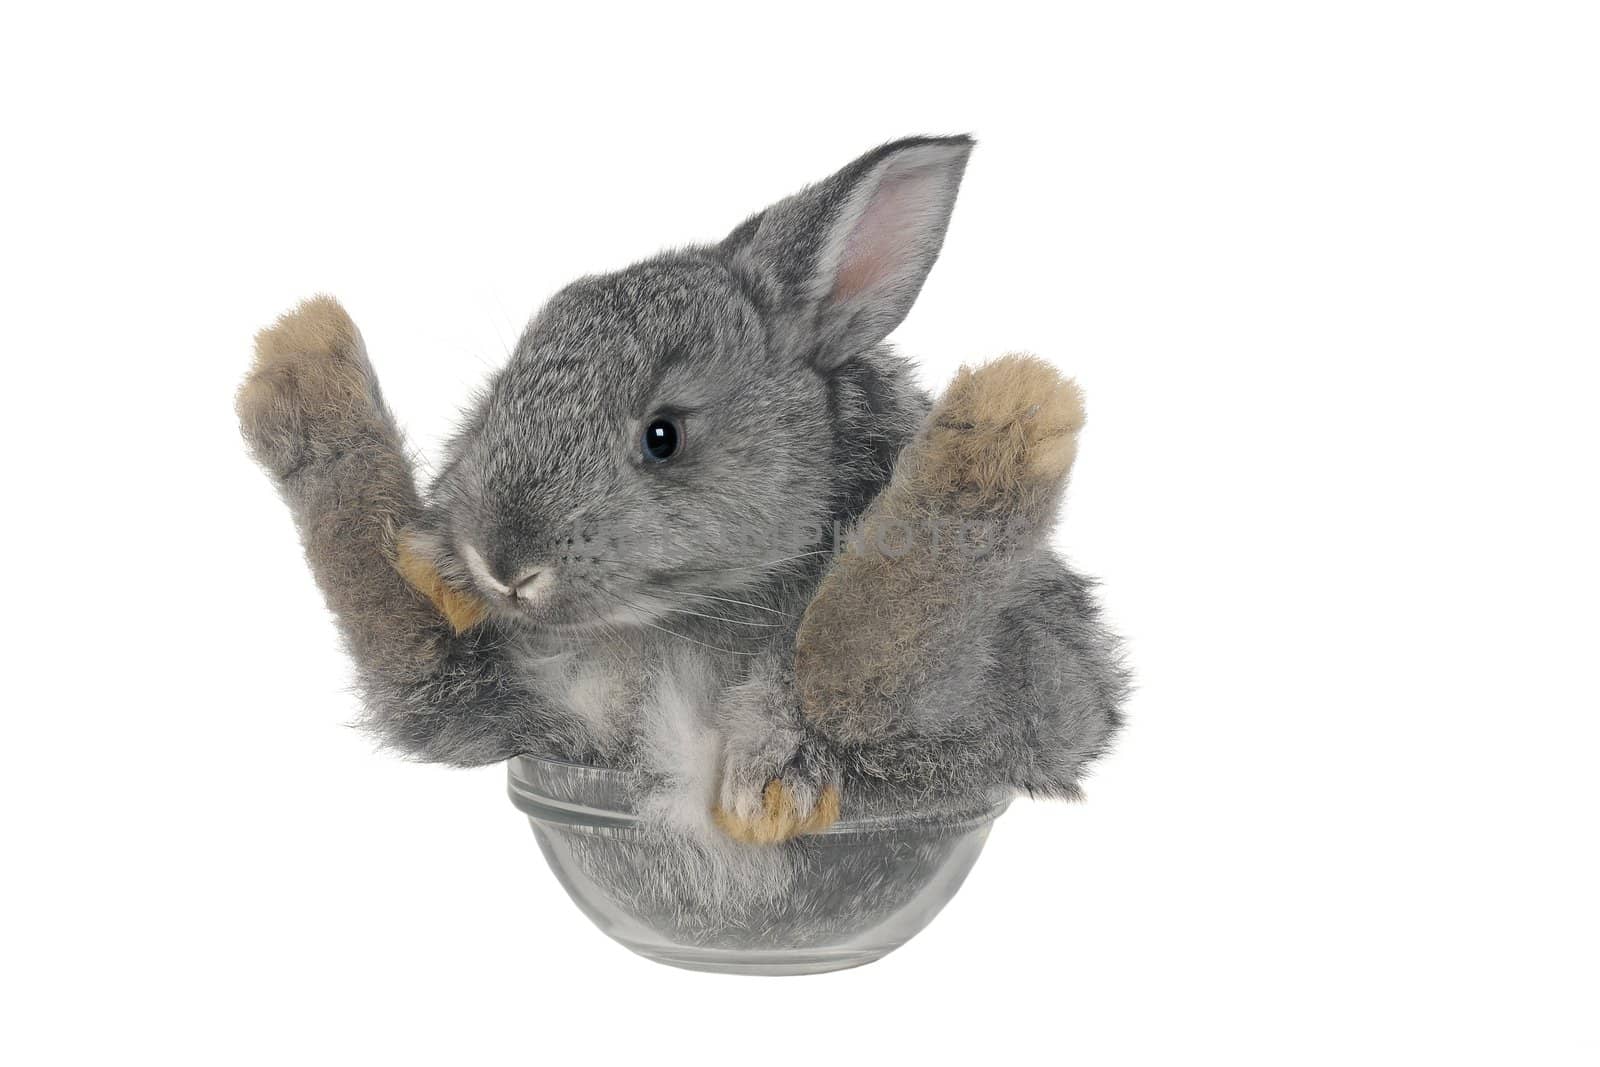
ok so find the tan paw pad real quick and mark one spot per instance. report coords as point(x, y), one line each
point(310, 359)
point(1004, 424)
point(461, 610)
point(779, 817)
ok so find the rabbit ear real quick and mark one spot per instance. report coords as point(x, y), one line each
point(846, 258)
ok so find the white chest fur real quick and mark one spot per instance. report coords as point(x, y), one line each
point(654, 704)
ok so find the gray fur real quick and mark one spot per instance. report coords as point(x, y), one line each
point(666, 643)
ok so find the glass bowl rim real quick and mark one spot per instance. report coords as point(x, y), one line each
point(952, 818)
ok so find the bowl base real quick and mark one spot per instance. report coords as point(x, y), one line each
point(731, 961)
point(688, 896)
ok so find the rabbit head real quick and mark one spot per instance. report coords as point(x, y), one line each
point(678, 425)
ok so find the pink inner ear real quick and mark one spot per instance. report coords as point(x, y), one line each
point(882, 246)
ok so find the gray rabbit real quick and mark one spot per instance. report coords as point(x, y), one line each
point(704, 527)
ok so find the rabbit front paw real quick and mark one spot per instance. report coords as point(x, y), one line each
point(1003, 428)
point(309, 390)
point(760, 804)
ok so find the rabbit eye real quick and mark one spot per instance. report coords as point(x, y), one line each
point(663, 439)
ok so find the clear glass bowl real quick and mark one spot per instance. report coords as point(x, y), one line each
point(690, 897)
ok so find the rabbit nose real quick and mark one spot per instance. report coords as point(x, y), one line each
point(531, 583)
point(527, 584)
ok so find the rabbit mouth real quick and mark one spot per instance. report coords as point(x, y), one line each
point(578, 607)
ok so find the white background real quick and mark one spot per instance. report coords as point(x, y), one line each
point(1328, 274)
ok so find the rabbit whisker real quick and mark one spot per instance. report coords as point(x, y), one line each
point(769, 565)
point(720, 618)
point(671, 633)
point(730, 600)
